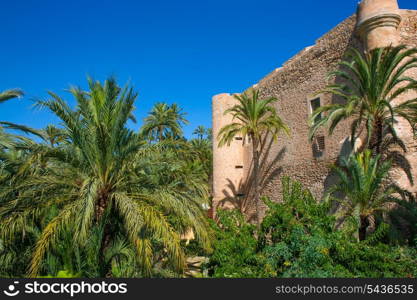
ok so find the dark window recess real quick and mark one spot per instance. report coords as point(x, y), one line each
point(319, 146)
point(315, 104)
point(321, 143)
point(239, 167)
point(240, 195)
point(238, 138)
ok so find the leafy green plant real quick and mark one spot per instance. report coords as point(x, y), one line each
point(103, 176)
point(371, 83)
point(235, 248)
point(62, 274)
point(298, 238)
point(368, 193)
point(164, 121)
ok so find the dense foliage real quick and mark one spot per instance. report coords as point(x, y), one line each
point(94, 198)
point(235, 248)
point(298, 238)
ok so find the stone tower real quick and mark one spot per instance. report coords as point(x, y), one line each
point(378, 22)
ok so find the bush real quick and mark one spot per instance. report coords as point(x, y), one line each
point(235, 249)
point(297, 238)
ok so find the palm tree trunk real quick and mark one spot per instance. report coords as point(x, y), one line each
point(101, 206)
point(160, 133)
point(105, 243)
point(256, 178)
point(100, 209)
point(362, 228)
point(376, 138)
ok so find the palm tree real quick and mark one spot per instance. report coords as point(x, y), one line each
point(209, 134)
point(253, 118)
point(10, 94)
point(164, 121)
point(53, 135)
point(367, 192)
point(178, 114)
point(100, 180)
point(6, 140)
point(200, 132)
point(373, 81)
point(201, 150)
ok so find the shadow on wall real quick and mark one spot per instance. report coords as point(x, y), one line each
point(346, 147)
point(394, 147)
point(241, 197)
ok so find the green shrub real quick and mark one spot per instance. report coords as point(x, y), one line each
point(235, 249)
point(298, 238)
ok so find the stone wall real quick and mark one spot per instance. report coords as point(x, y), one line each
point(296, 83)
point(408, 36)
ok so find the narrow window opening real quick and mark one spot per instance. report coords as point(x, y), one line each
point(314, 105)
point(319, 145)
point(239, 167)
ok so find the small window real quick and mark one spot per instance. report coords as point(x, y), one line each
point(315, 104)
point(238, 138)
point(319, 145)
point(239, 167)
point(240, 195)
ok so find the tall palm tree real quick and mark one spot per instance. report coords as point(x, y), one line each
point(253, 118)
point(99, 180)
point(202, 152)
point(200, 132)
point(178, 114)
point(164, 121)
point(372, 82)
point(209, 134)
point(364, 183)
point(53, 135)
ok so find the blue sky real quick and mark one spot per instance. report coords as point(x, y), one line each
point(173, 51)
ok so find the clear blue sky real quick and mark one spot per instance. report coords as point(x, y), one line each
point(174, 51)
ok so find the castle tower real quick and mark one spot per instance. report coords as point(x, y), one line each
point(228, 168)
point(378, 22)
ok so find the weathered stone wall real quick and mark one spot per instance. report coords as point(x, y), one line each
point(408, 27)
point(408, 36)
point(296, 83)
